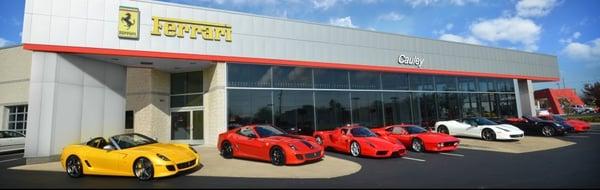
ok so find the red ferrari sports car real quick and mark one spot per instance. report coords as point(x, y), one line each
point(269, 143)
point(418, 138)
point(358, 141)
point(578, 125)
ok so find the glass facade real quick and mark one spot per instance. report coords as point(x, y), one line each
point(186, 89)
point(306, 99)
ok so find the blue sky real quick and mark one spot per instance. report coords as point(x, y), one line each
point(565, 28)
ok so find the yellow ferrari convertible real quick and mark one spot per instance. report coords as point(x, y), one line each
point(128, 155)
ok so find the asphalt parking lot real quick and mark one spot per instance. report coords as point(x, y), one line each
point(573, 166)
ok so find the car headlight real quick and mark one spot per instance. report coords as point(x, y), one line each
point(163, 157)
point(371, 144)
point(293, 147)
point(193, 150)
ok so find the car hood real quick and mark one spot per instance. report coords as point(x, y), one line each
point(173, 152)
point(508, 127)
point(436, 137)
point(300, 142)
point(379, 142)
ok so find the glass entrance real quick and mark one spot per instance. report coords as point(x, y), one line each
point(187, 126)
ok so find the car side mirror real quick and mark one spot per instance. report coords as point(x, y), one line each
point(108, 147)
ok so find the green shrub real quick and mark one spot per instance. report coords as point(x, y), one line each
point(588, 118)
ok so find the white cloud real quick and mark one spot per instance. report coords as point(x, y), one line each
point(391, 16)
point(415, 3)
point(456, 38)
point(514, 30)
point(326, 4)
point(534, 8)
point(345, 22)
point(571, 38)
point(4, 42)
point(371, 29)
point(583, 52)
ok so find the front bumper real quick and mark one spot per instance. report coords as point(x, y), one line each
point(171, 168)
point(442, 146)
point(510, 136)
point(302, 157)
point(383, 153)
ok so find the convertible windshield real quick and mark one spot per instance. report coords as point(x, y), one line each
point(362, 132)
point(131, 140)
point(533, 118)
point(415, 129)
point(484, 121)
point(559, 118)
point(267, 131)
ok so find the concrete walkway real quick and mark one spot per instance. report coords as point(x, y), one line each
point(214, 165)
point(527, 144)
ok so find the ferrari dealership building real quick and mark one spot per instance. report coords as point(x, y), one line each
point(92, 68)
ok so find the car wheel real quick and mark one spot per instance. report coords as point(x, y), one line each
point(319, 140)
point(227, 150)
point(277, 156)
point(548, 131)
point(355, 149)
point(74, 167)
point(443, 129)
point(488, 135)
point(417, 145)
point(143, 169)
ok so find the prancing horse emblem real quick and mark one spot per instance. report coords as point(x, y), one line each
point(127, 20)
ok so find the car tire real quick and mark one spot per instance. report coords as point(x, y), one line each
point(443, 129)
point(277, 156)
point(417, 145)
point(74, 167)
point(548, 131)
point(227, 150)
point(355, 149)
point(143, 169)
point(488, 135)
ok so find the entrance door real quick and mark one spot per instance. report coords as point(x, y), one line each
point(187, 126)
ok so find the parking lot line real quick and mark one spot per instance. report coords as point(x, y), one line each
point(10, 160)
point(577, 136)
point(413, 159)
point(452, 154)
point(592, 133)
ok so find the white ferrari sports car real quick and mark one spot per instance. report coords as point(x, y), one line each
point(479, 127)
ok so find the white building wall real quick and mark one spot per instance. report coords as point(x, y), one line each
point(71, 100)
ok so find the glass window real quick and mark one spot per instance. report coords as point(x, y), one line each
point(128, 119)
point(448, 106)
point(332, 109)
point(467, 84)
point(294, 111)
point(505, 85)
point(17, 118)
point(186, 89)
point(489, 105)
point(396, 108)
point(292, 77)
point(331, 79)
point(367, 109)
point(364, 80)
point(508, 106)
point(246, 107)
point(421, 82)
point(186, 100)
point(487, 85)
point(394, 81)
point(243, 75)
point(445, 83)
point(424, 109)
point(470, 107)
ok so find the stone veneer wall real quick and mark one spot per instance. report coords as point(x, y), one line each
point(148, 96)
point(215, 102)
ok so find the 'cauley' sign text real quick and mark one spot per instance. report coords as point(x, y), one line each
point(171, 27)
point(402, 59)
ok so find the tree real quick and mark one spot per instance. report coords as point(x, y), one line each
point(591, 93)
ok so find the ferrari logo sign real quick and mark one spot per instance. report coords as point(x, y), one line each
point(129, 25)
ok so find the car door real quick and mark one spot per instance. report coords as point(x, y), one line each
point(106, 162)
point(4, 141)
point(459, 128)
point(343, 142)
point(246, 141)
point(17, 140)
point(401, 134)
point(472, 129)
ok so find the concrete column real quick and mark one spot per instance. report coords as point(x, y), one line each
point(525, 95)
point(71, 100)
point(517, 98)
point(215, 102)
point(148, 96)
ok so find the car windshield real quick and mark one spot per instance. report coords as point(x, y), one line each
point(559, 118)
point(362, 132)
point(267, 131)
point(415, 129)
point(484, 121)
point(131, 140)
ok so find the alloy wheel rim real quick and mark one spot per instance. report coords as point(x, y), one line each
point(276, 156)
point(354, 149)
point(486, 135)
point(227, 149)
point(547, 131)
point(416, 146)
point(73, 167)
point(143, 169)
